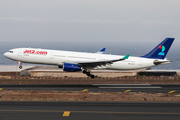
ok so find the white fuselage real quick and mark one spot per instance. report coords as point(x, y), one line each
point(57, 57)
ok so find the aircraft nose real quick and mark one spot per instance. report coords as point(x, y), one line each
point(5, 54)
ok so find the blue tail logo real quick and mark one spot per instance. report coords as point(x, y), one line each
point(161, 50)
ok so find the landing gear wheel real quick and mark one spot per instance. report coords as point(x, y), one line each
point(92, 76)
point(20, 65)
point(88, 73)
point(84, 71)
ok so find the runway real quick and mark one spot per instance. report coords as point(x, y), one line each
point(147, 88)
point(89, 111)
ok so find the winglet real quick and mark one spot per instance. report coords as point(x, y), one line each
point(101, 51)
point(126, 57)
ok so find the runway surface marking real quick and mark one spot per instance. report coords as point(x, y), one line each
point(131, 87)
point(127, 91)
point(171, 91)
point(85, 90)
point(66, 113)
point(120, 84)
point(99, 112)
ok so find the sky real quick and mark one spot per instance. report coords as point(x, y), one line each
point(89, 22)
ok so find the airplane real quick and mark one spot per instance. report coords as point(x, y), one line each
point(71, 61)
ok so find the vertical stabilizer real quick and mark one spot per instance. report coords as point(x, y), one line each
point(160, 51)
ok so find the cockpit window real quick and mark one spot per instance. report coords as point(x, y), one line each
point(11, 51)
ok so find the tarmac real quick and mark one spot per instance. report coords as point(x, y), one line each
point(128, 88)
point(89, 110)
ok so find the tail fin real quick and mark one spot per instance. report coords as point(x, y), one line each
point(160, 51)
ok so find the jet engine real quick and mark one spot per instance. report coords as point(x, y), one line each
point(69, 67)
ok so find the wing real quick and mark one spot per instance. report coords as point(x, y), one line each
point(93, 64)
point(101, 51)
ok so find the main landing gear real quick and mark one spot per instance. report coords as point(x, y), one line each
point(20, 65)
point(88, 73)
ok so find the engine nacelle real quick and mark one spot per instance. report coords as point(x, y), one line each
point(69, 67)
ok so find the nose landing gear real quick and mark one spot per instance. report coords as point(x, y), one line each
point(88, 73)
point(20, 65)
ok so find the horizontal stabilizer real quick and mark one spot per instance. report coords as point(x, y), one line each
point(157, 62)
